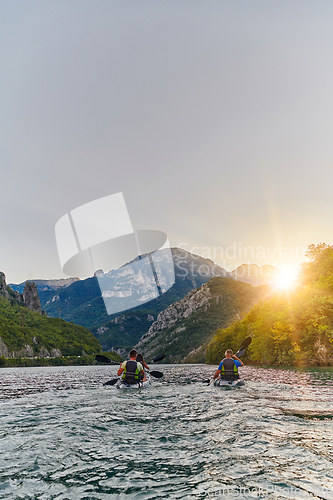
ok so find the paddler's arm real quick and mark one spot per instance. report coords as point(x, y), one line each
point(217, 374)
point(120, 370)
point(241, 362)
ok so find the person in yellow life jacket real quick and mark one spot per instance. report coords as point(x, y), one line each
point(140, 359)
point(131, 370)
point(228, 368)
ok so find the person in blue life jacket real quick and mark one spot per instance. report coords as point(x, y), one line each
point(228, 368)
point(131, 370)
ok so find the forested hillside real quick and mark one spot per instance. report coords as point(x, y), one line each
point(28, 334)
point(292, 327)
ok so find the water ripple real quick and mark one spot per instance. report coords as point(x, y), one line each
point(65, 436)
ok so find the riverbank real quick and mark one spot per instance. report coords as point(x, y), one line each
point(58, 361)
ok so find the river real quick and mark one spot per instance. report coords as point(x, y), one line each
point(64, 436)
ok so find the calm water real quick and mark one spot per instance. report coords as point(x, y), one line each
point(65, 436)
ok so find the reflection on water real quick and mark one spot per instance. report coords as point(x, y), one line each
point(65, 436)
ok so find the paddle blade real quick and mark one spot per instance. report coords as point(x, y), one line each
point(245, 344)
point(156, 374)
point(111, 382)
point(158, 358)
point(206, 381)
point(102, 359)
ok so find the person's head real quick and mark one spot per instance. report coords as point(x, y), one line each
point(139, 358)
point(133, 354)
point(228, 353)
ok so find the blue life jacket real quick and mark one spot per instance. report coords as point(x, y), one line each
point(131, 372)
point(229, 369)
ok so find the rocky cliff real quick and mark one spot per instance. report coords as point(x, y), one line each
point(31, 297)
point(7, 292)
point(3, 287)
point(31, 301)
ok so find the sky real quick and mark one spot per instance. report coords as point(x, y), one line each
point(213, 118)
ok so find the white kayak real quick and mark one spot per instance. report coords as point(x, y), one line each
point(228, 383)
point(138, 385)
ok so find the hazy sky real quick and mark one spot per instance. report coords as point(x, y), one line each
point(213, 117)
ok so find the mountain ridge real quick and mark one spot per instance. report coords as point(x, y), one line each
point(52, 284)
point(256, 275)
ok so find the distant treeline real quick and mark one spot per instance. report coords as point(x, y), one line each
point(293, 326)
point(59, 361)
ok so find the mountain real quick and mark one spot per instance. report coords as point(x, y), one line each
point(27, 333)
point(183, 330)
point(121, 332)
point(81, 301)
point(256, 275)
point(45, 285)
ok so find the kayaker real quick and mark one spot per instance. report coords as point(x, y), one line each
point(131, 369)
point(140, 359)
point(228, 368)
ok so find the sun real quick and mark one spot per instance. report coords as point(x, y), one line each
point(286, 279)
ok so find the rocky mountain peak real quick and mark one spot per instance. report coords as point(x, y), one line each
point(7, 292)
point(31, 297)
point(3, 286)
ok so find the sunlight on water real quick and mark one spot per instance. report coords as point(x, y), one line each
point(65, 436)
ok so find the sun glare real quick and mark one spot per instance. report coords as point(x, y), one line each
point(286, 279)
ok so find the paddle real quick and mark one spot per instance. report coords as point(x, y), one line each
point(239, 353)
point(156, 374)
point(103, 359)
point(245, 344)
point(158, 358)
point(111, 382)
point(208, 382)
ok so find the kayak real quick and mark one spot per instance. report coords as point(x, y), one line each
point(138, 385)
point(228, 383)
